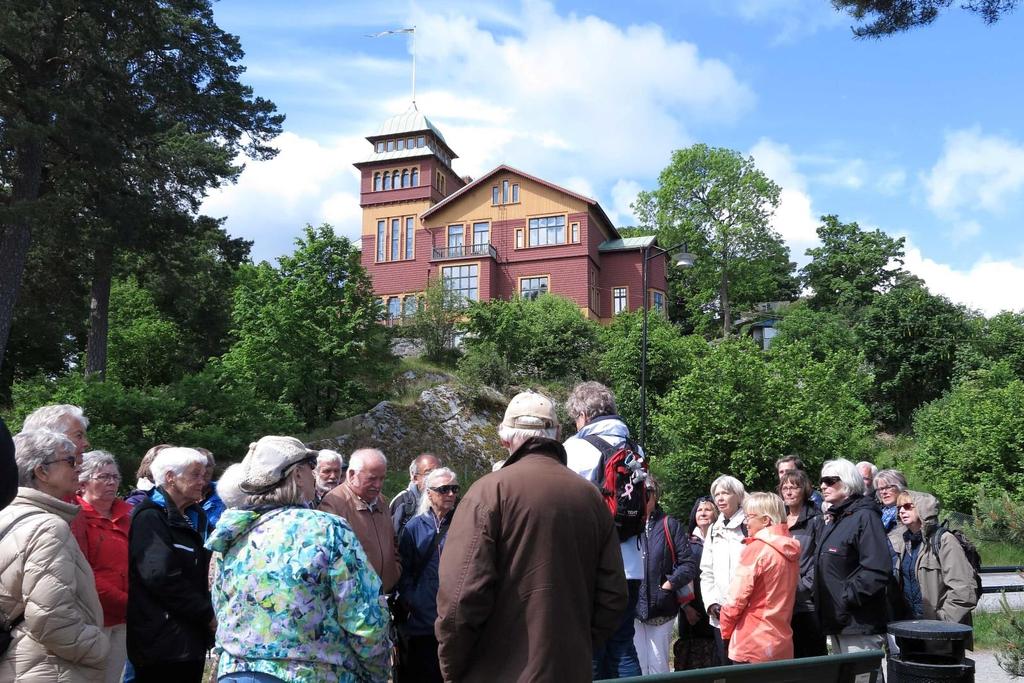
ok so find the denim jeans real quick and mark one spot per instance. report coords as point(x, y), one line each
point(617, 658)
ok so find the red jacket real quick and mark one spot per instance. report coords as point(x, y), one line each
point(104, 542)
point(756, 616)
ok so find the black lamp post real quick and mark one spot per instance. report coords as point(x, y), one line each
point(683, 259)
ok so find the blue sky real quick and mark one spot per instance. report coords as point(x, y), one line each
point(919, 134)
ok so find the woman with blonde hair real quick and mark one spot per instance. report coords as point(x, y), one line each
point(722, 548)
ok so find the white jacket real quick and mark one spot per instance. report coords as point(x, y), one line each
point(720, 558)
point(44, 575)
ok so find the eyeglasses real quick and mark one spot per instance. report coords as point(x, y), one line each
point(830, 481)
point(71, 460)
point(446, 489)
point(792, 488)
point(907, 506)
point(890, 487)
point(107, 478)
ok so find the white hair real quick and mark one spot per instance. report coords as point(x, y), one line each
point(432, 480)
point(52, 417)
point(850, 479)
point(37, 447)
point(327, 455)
point(871, 468)
point(359, 458)
point(730, 484)
point(175, 459)
point(514, 437)
point(93, 461)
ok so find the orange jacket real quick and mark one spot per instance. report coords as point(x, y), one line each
point(755, 617)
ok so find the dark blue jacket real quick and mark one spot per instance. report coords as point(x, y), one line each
point(417, 589)
point(655, 601)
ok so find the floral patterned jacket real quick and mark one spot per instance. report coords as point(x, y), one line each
point(296, 598)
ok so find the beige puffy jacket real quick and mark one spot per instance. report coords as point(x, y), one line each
point(44, 575)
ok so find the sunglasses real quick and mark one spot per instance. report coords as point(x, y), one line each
point(907, 506)
point(830, 481)
point(446, 489)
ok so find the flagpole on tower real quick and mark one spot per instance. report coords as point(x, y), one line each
point(412, 31)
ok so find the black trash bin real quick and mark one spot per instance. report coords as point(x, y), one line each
point(929, 650)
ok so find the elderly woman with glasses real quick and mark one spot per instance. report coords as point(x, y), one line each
point(806, 525)
point(888, 485)
point(101, 530)
point(937, 579)
point(852, 563)
point(420, 548)
point(48, 595)
point(296, 597)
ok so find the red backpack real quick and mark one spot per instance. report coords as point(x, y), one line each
point(621, 476)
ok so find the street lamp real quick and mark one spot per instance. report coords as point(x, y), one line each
point(683, 259)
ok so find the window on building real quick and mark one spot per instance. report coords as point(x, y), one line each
point(455, 241)
point(410, 237)
point(391, 145)
point(387, 181)
point(575, 229)
point(400, 145)
point(396, 235)
point(421, 141)
point(657, 301)
point(547, 230)
point(394, 309)
point(415, 177)
point(519, 238)
point(494, 196)
point(462, 280)
point(481, 235)
point(405, 178)
point(380, 145)
point(595, 292)
point(532, 287)
point(409, 306)
point(376, 182)
point(620, 300)
point(382, 236)
point(515, 193)
point(504, 192)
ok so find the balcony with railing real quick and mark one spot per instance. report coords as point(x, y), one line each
point(464, 251)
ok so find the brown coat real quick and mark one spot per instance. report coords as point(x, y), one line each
point(531, 576)
point(373, 529)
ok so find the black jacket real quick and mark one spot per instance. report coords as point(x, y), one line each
point(852, 570)
point(169, 605)
point(655, 601)
point(8, 468)
point(808, 529)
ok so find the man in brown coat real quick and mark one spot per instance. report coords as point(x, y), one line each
point(531, 575)
point(358, 500)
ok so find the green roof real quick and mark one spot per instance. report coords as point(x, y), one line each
point(628, 243)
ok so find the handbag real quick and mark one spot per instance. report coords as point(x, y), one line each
point(685, 594)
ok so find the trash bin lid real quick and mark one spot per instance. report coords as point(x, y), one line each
point(930, 629)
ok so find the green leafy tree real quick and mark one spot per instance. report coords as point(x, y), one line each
point(720, 204)
point(823, 332)
point(546, 338)
point(436, 322)
point(910, 338)
point(972, 439)
point(308, 332)
point(145, 347)
point(885, 17)
point(851, 266)
point(995, 340)
point(738, 409)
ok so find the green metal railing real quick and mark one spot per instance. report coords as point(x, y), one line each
point(828, 669)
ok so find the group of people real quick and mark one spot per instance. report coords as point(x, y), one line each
point(294, 567)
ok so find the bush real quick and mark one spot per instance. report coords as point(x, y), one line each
point(998, 517)
point(484, 364)
point(972, 439)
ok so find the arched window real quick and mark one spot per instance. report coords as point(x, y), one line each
point(405, 178)
point(415, 177)
point(376, 182)
point(387, 181)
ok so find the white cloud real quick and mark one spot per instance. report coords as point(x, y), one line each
point(579, 185)
point(965, 231)
point(891, 182)
point(975, 171)
point(795, 218)
point(987, 285)
point(624, 193)
point(847, 174)
point(792, 18)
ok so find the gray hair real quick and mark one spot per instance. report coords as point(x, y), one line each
point(34, 448)
point(326, 455)
point(870, 466)
point(432, 480)
point(285, 493)
point(175, 459)
point(358, 460)
point(515, 436)
point(730, 484)
point(93, 461)
point(850, 479)
point(590, 400)
point(891, 477)
point(52, 417)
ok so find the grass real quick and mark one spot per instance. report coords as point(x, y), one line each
point(985, 630)
point(999, 553)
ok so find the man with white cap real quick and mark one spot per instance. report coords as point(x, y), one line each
point(531, 576)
